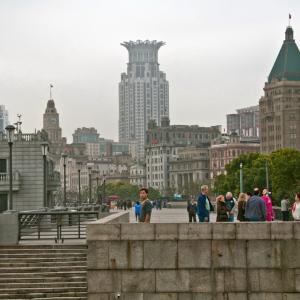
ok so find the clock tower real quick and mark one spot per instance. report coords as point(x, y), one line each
point(51, 123)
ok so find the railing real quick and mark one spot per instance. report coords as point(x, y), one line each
point(56, 226)
point(5, 176)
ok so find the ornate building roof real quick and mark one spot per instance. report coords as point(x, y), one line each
point(287, 64)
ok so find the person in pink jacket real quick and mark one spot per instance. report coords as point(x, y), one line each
point(269, 206)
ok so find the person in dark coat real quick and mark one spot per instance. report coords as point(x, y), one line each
point(222, 209)
point(192, 210)
point(241, 207)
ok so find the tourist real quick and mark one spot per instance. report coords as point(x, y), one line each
point(231, 203)
point(255, 210)
point(137, 210)
point(146, 206)
point(296, 208)
point(203, 206)
point(241, 207)
point(285, 204)
point(192, 210)
point(268, 201)
point(222, 209)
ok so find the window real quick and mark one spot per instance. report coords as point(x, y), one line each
point(3, 165)
point(3, 202)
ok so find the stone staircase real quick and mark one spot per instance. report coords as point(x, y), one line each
point(43, 272)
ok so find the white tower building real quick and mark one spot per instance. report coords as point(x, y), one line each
point(143, 94)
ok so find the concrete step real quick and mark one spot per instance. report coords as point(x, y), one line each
point(35, 264)
point(43, 255)
point(45, 290)
point(46, 284)
point(48, 272)
point(46, 296)
point(42, 269)
point(43, 274)
point(51, 278)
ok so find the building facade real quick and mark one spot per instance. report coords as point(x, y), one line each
point(280, 105)
point(190, 167)
point(143, 94)
point(28, 173)
point(3, 118)
point(163, 144)
point(227, 148)
point(138, 175)
point(245, 122)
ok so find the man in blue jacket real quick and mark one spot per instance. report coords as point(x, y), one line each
point(203, 206)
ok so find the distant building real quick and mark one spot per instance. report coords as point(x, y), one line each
point(245, 122)
point(3, 118)
point(27, 169)
point(191, 165)
point(280, 106)
point(163, 144)
point(85, 135)
point(53, 132)
point(143, 94)
point(226, 148)
point(138, 175)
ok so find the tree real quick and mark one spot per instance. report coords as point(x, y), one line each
point(128, 191)
point(285, 172)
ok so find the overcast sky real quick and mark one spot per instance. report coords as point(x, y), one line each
point(217, 56)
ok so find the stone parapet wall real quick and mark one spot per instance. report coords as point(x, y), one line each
point(223, 261)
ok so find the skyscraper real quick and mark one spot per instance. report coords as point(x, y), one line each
point(3, 118)
point(143, 94)
point(279, 108)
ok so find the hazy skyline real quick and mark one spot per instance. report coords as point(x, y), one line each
point(217, 56)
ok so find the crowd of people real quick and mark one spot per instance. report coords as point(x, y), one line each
point(251, 207)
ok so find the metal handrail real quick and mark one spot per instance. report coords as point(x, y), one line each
point(57, 226)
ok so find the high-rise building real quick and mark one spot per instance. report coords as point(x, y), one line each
point(280, 106)
point(143, 94)
point(245, 122)
point(3, 118)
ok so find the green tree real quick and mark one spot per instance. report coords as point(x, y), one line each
point(253, 174)
point(285, 173)
point(127, 191)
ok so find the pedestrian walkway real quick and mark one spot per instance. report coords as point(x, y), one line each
point(169, 215)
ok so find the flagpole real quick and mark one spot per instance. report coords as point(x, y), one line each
point(51, 86)
point(290, 16)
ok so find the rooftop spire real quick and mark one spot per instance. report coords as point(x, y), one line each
point(51, 86)
point(289, 34)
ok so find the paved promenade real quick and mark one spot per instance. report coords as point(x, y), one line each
point(169, 215)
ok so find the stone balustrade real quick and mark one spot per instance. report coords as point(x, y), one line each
point(223, 261)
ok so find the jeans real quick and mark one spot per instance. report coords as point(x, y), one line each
point(203, 219)
point(192, 218)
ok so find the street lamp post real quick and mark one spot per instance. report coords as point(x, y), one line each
point(97, 189)
point(267, 175)
point(64, 156)
point(10, 129)
point(79, 164)
point(90, 166)
point(45, 146)
point(104, 180)
point(241, 177)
